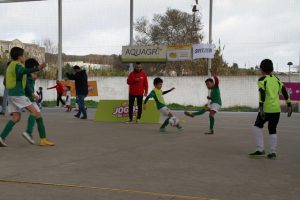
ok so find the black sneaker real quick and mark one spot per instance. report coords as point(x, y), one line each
point(272, 156)
point(83, 117)
point(257, 154)
point(77, 116)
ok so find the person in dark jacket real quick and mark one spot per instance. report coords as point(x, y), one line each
point(138, 87)
point(81, 87)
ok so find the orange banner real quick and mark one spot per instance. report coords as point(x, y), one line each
point(92, 87)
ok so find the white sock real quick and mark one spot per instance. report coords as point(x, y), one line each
point(258, 133)
point(273, 143)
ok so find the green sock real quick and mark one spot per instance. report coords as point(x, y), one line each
point(30, 124)
point(10, 124)
point(41, 127)
point(166, 122)
point(211, 123)
point(200, 112)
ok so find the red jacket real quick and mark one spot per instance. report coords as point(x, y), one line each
point(138, 83)
point(59, 88)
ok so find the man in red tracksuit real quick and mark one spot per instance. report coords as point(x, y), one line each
point(138, 87)
point(60, 91)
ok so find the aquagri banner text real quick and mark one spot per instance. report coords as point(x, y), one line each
point(144, 54)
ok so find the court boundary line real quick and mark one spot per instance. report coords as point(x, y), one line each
point(116, 190)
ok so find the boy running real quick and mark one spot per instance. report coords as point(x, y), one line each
point(269, 87)
point(15, 82)
point(215, 103)
point(29, 92)
point(157, 94)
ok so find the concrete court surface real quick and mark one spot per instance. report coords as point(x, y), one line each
point(118, 161)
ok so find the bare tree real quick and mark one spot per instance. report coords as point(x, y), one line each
point(173, 27)
point(50, 47)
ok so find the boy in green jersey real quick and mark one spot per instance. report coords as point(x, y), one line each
point(214, 105)
point(29, 92)
point(16, 76)
point(157, 94)
point(269, 87)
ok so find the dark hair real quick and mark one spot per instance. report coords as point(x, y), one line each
point(157, 80)
point(15, 52)
point(209, 80)
point(31, 63)
point(40, 88)
point(69, 87)
point(138, 63)
point(267, 66)
point(76, 67)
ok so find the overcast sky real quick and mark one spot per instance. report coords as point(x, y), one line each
point(251, 30)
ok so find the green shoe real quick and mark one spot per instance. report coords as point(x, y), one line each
point(272, 156)
point(210, 132)
point(162, 130)
point(257, 154)
point(189, 114)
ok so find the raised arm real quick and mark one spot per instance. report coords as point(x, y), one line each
point(166, 92)
point(215, 77)
point(55, 86)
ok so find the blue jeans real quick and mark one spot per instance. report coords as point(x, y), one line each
point(4, 103)
point(81, 105)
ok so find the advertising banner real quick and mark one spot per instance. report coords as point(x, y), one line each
point(144, 54)
point(179, 52)
point(92, 87)
point(294, 91)
point(117, 111)
point(203, 51)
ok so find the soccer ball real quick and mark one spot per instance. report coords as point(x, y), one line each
point(173, 121)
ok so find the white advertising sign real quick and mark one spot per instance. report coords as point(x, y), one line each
point(203, 51)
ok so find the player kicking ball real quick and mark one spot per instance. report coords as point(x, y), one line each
point(157, 94)
point(215, 103)
point(269, 87)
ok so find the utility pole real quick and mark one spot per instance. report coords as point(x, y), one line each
point(131, 32)
point(210, 32)
point(59, 61)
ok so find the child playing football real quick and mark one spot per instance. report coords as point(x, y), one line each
point(214, 105)
point(157, 94)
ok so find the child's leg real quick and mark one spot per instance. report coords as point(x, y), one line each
point(16, 116)
point(166, 122)
point(30, 124)
point(212, 119)
point(199, 112)
point(39, 120)
point(40, 125)
point(258, 132)
point(272, 126)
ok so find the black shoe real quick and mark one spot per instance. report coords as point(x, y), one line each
point(83, 117)
point(257, 154)
point(77, 116)
point(272, 156)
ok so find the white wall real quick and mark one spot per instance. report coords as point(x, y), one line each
point(235, 90)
